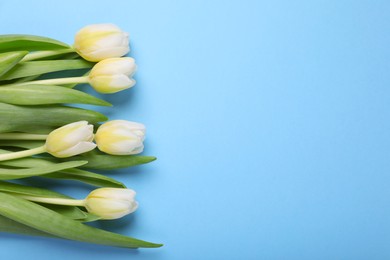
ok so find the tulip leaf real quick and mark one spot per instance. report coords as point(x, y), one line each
point(11, 174)
point(32, 68)
point(86, 177)
point(91, 178)
point(51, 222)
point(20, 42)
point(24, 118)
point(71, 212)
point(27, 162)
point(27, 144)
point(11, 226)
point(46, 94)
point(101, 161)
point(8, 60)
point(90, 217)
point(9, 187)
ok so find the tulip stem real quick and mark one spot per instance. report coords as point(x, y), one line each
point(21, 154)
point(43, 54)
point(60, 81)
point(56, 201)
point(21, 136)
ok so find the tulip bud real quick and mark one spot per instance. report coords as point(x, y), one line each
point(113, 75)
point(97, 42)
point(71, 139)
point(111, 203)
point(120, 137)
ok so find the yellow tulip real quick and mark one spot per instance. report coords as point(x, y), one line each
point(113, 75)
point(120, 137)
point(97, 42)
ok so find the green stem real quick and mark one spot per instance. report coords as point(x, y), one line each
point(56, 201)
point(60, 81)
point(21, 154)
point(21, 136)
point(43, 54)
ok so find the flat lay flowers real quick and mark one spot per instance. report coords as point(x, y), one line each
point(45, 134)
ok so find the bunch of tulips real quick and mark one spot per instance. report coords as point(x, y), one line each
point(44, 133)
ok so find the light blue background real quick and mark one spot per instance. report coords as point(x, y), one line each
point(270, 121)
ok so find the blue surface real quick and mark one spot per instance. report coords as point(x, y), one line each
point(270, 121)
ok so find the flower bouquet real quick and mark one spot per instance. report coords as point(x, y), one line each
point(42, 134)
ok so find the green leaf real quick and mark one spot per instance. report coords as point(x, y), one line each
point(68, 174)
point(27, 144)
point(86, 177)
point(32, 68)
point(28, 162)
point(9, 59)
point(102, 161)
point(48, 221)
point(24, 118)
point(69, 211)
point(10, 226)
point(20, 42)
point(11, 174)
point(46, 94)
point(9, 187)
point(90, 217)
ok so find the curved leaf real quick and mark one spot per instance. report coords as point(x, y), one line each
point(86, 177)
point(101, 161)
point(8, 60)
point(32, 68)
point(23, 118)
point(48, 221)
point(46, 94)
point(68, 211)
point(11, 174)
point(10, 226)
point(22, 42)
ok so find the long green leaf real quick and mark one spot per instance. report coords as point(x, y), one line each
point(71, 212)
point(11, 174)
point(68, 211)
point(23, 118)
point(32, 68)
point(91, 178)
point(27, 144)
point(9, 187)
point(86, 177)
point(21, 42)
point(11, 226)
point(27, 162)
point(48, 221)
point(44, 94)
point(101, 161)
point(8, 60)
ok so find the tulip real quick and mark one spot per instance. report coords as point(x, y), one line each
point(111, 203)
point(66, 141)
point(120, 137)
point(71, 139)
point(106, 203)
point(107, 76)
point(101, 41)
point(113, 75)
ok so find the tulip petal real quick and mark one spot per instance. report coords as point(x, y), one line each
point(81, 147)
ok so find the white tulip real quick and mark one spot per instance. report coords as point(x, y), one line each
point(71, 139)
point(113, 75)
point(97, 42)
point(111, 203)
point(120, 137)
